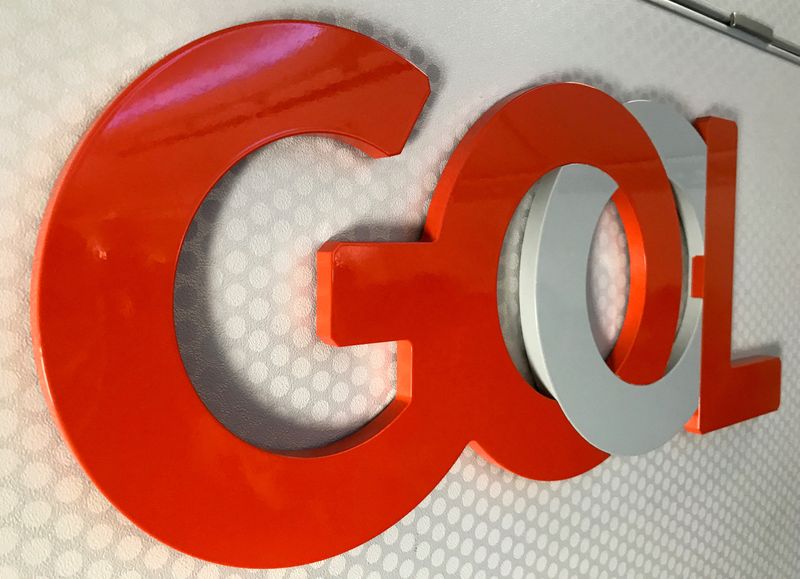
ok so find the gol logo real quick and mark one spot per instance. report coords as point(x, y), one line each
point(104, 269)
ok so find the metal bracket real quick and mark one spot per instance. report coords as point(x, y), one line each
point(751, 26)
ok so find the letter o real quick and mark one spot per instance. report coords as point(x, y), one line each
point(612, 414)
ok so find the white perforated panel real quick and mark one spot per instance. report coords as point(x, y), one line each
point(724, 505)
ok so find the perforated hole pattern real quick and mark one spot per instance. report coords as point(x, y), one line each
point(724, 505)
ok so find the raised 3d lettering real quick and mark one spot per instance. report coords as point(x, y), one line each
point(102, 294)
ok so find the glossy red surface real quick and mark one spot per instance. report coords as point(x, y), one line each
point(102, 296)
point(105, 265)
point(456, 381)
point(730, 392)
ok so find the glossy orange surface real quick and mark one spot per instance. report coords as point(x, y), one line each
point(730, 391)
point(102, 295)
point(105, 265)
point(456, 381)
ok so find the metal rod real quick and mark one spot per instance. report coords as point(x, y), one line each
point(705, 10)
point(736, 25)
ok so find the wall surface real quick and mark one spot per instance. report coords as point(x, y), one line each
point(782, 15)
point(722, 505)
